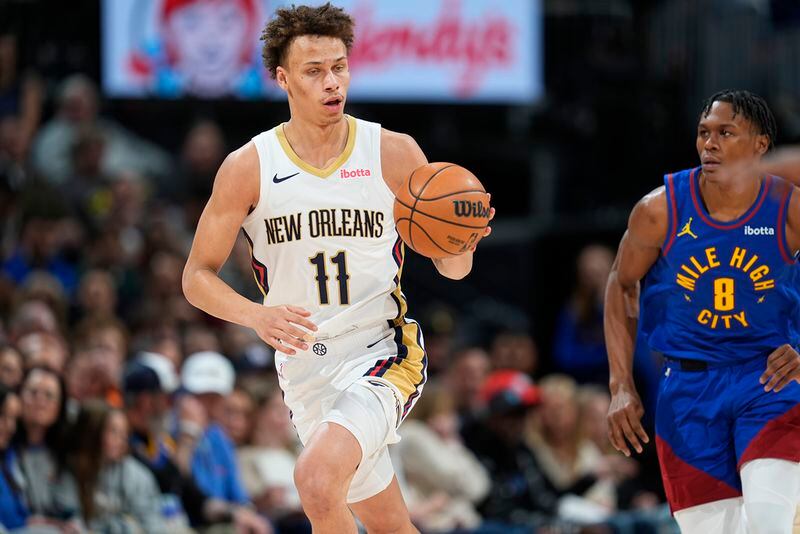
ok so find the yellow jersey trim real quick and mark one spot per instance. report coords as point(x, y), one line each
point(316, 171)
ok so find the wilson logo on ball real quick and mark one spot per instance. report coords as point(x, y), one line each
point(465, 208)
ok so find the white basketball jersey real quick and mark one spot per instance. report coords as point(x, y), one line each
point(324, 239)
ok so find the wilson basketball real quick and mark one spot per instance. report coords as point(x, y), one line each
point(441, 210)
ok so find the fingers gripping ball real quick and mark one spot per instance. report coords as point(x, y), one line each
point(441, 210)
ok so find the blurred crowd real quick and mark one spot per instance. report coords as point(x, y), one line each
point(124, 409)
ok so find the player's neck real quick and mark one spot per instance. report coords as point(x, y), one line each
point(318, 145)
point(728, 200)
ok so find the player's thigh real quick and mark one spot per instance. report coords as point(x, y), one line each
point(767, 423)
point(694, 439)
point(329, 459)
point(771, 489)
point(384, 512)
point(718, 517)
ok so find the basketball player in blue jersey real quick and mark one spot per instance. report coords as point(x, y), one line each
point(715, 251)
point(314, 199)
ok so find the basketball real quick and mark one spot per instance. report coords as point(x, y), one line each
point(441, 210)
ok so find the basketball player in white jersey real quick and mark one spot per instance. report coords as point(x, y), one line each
point(314, 197)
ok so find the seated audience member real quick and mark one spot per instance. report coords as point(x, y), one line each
point(208, 378)
point(44, 349)
point(579, 347)
point(519, 493)
point(32, 316)
point(268, 458)
point(566, 457)
point(12, 367)
point(117, 493)
point(13, 511)
point(147, 406)
point(515, 350)
point(465, 375)
point(239, 409)
point(438, 466)
point(51, 494)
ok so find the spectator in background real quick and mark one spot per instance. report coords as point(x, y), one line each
point(440, 322)
point(638, 492)
point(103, 342)
point(163, 289)
point(147, 406)
point(21, 93)
point(32, 316)
point(14, 167)
point(51, 494)
point(44, 287)
point(268, 459)
point(117, 493)
point(88, 188)
point(579, 347)
point(13, 511)
point(43, 349)
point(567, 458)
point(77, 107)
point(41, 247)
point(208, 378)
point(465, 375)
point(438, 468)
point(237, 420)
point(12, 368)
point(163, 340)
point(199, 337)
point(515, 350)
point(519, 494)
point(97, 296)
point(203, 151)
point(247, 351)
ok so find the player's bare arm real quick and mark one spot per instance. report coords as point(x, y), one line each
point(235, 192)
point(638, 251)
point(400, 156)
point(783, 364)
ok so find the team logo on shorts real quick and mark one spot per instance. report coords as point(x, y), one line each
point(319, 349)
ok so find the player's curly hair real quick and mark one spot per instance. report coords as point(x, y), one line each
point(289, 23)
point(751, 106)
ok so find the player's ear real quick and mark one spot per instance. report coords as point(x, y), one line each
point(280, 77)
point(762, 143)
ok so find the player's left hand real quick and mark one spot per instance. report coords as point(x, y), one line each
point(783, 366)
point(488, 229)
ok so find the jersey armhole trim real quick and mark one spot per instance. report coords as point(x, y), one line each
point(383, 187)
point(262, 183)
point(672, 214)
point(783, 209)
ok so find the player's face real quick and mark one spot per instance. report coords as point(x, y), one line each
point(727, 141)
point(316, 78)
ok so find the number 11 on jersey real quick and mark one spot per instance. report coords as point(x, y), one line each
point(340, 261)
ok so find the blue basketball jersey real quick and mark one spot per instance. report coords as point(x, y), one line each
point(722, 292)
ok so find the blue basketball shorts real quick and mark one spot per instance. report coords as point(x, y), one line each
point(710, 422)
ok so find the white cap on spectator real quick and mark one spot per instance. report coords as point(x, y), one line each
point(163, 368)
point(208, 372)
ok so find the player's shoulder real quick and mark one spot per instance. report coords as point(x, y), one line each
point(398, 144)
point(400, 155)
point(240, 173)
point(648, 220)
point(652, 206)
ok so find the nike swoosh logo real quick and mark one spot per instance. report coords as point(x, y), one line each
point(277, 180)
point(381, 339)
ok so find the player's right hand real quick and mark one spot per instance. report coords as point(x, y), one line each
point(625, 420)
point(279, 326)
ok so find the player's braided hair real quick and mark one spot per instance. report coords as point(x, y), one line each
point(288, 23)
point(751, 106)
